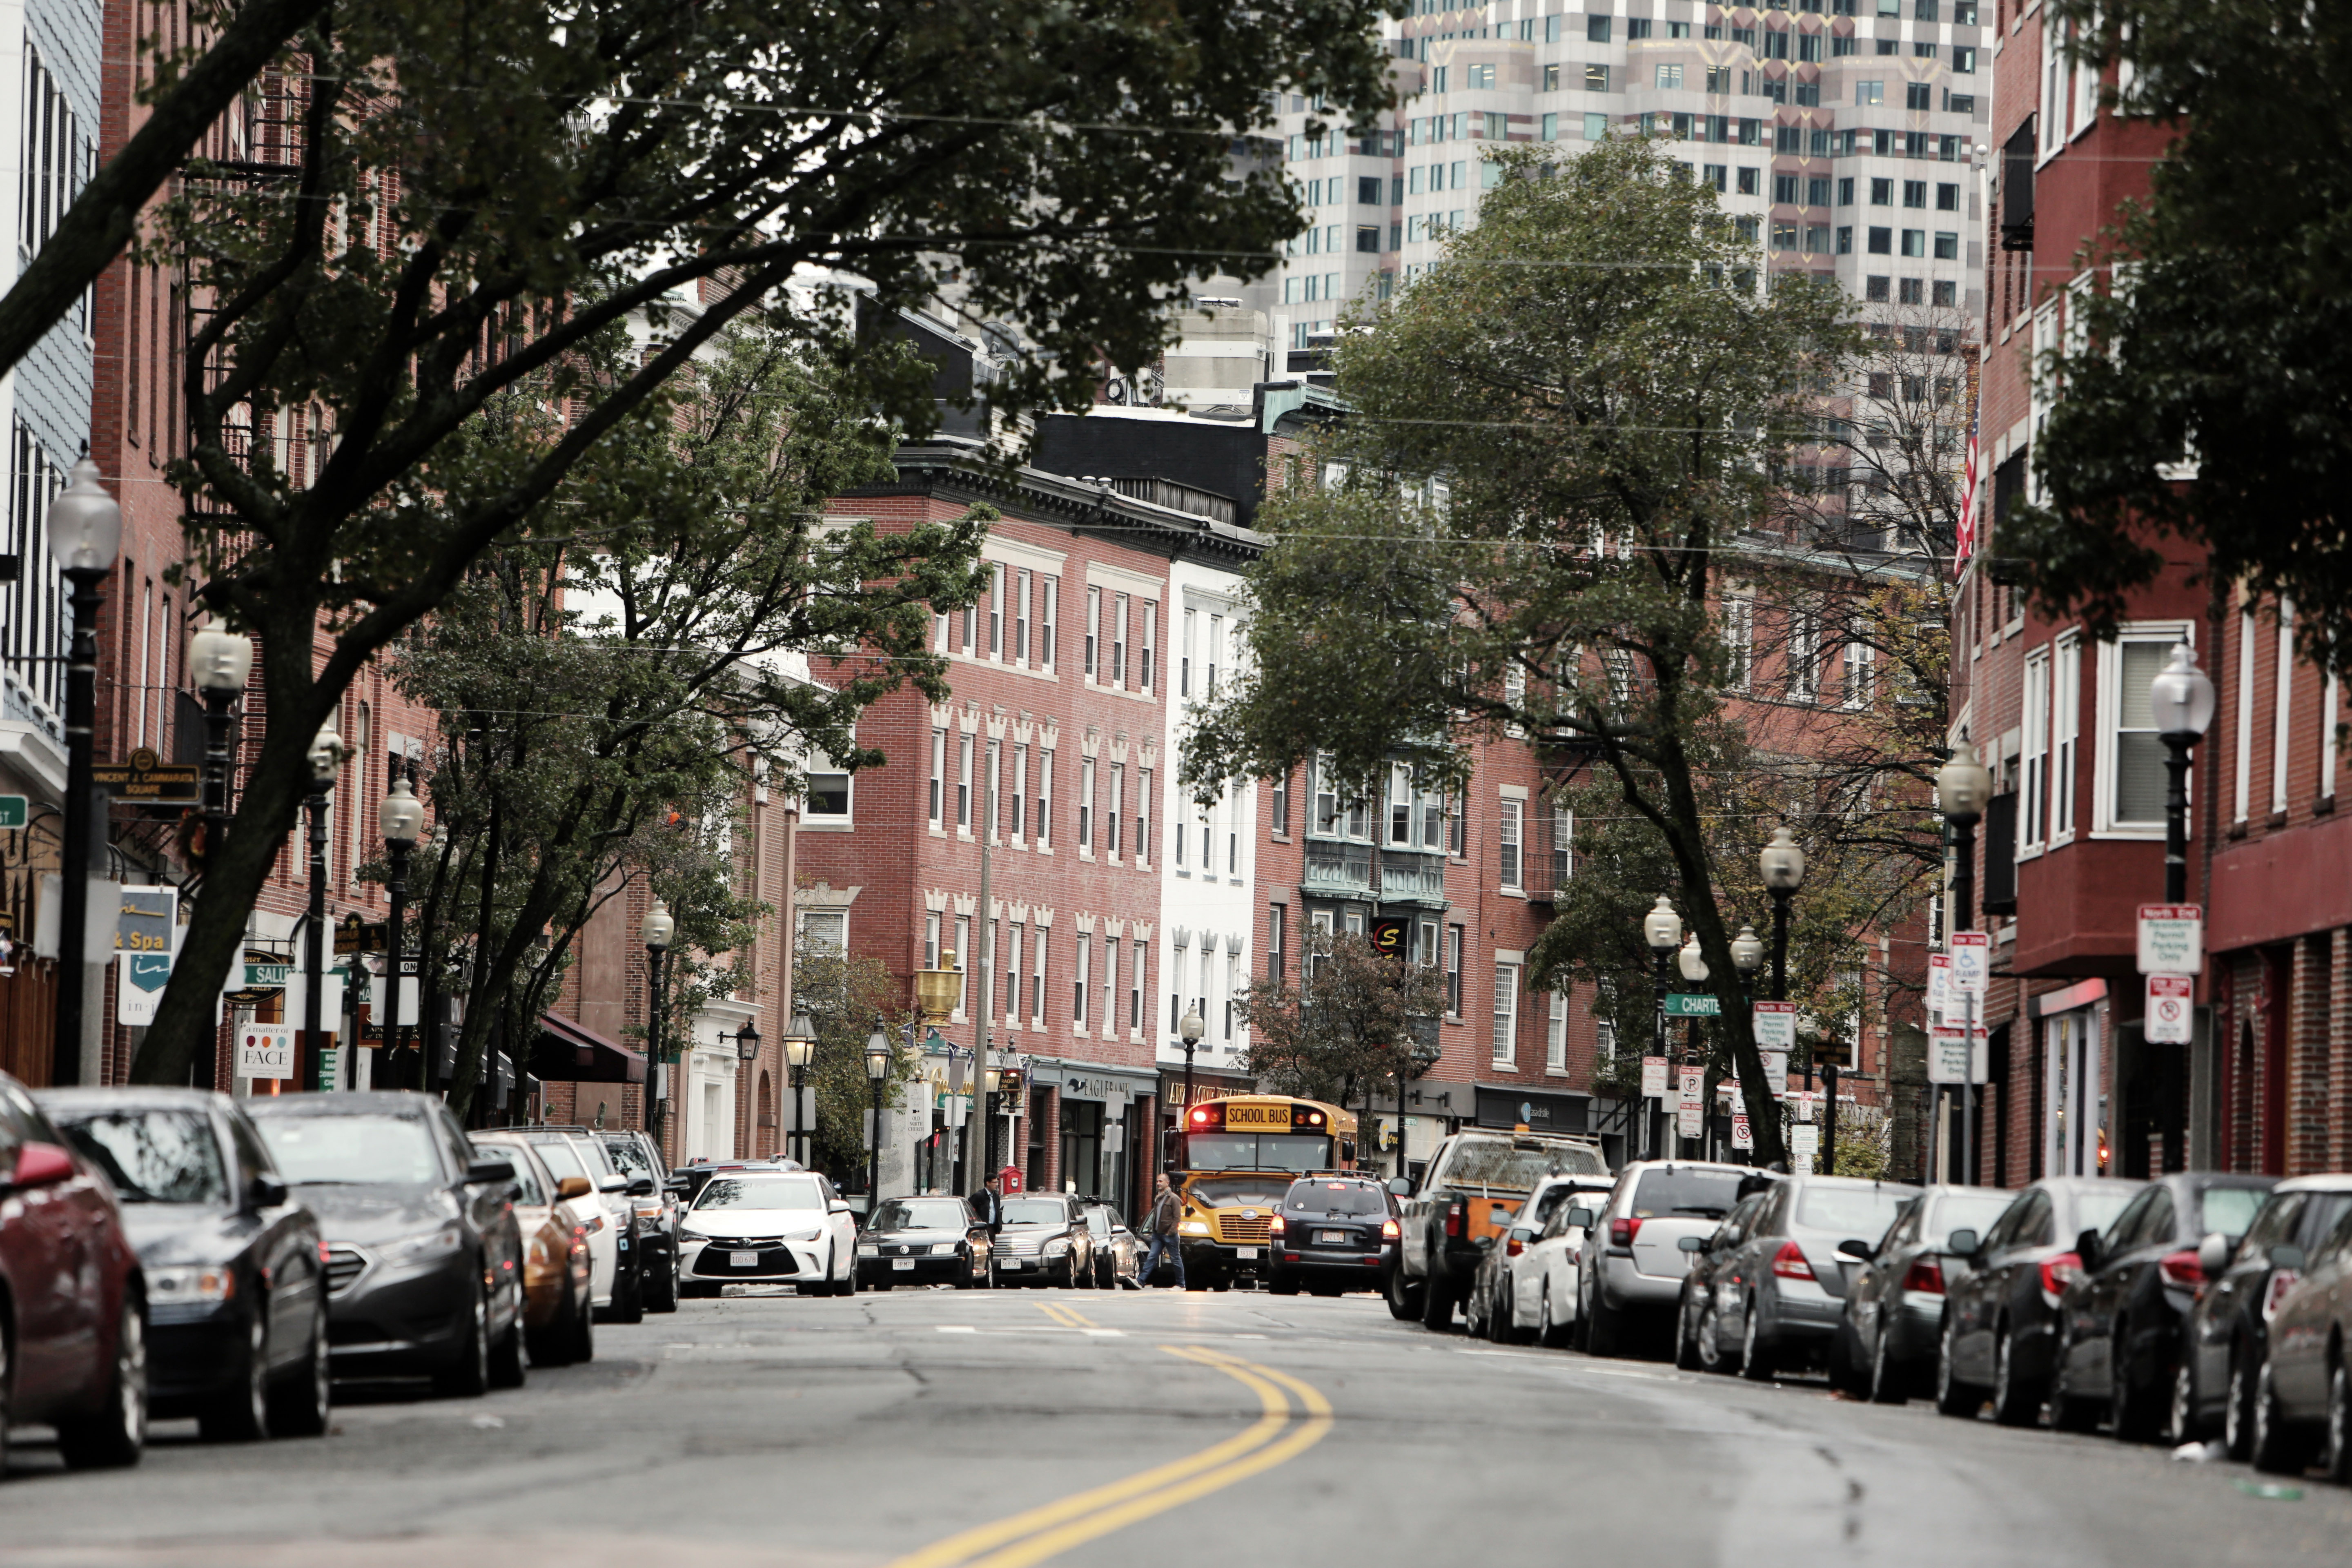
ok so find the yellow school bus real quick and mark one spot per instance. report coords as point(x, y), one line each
point(1234, 1159)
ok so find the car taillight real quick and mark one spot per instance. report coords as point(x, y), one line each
point(322, 1252)
point(1924, 1275)
point(2282, 1282)
point(1388, 1231)
point(2059, 1272)
point(1454, 1219)
point(1514, 1247)
point(1622, 1232)
point(1789, 1263)
point(2181, 1268)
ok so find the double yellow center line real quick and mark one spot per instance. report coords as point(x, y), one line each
point(1279, 1434)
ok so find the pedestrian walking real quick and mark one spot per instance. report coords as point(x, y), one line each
point(988, 1205)
point(1167, 1213)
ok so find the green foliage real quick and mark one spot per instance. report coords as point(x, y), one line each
point(844, 997)
point(1352, 1024)
point(2218, 328)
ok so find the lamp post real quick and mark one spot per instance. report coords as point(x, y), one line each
point(401, 818)
point(1962, 786)
point(1747, 957)
point(1783, 864)
point(220, 663)
point(799, 1046)
point(878, 1068)
point(2181, 700)
point(1692, 965)
point(326, 759)
point(654, 932)
point(1663, 929)
point(990, 1081)
point(85, 528)
point(1188, 1030)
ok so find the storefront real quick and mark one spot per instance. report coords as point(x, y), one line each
point(1510, 1105)
point(1103, 1114)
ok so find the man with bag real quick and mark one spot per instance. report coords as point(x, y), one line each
point(1167, 1214)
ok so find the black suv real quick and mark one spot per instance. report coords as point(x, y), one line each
point(2227, 1334)
point(657, 1213)
point(1331, 1233)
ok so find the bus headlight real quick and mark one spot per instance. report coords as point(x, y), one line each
point(1196, 1228)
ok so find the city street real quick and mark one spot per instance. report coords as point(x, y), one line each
point(938, 1427)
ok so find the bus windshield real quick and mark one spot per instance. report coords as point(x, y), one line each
point(1257, 1151)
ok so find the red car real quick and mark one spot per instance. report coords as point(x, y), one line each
point(73, 1311)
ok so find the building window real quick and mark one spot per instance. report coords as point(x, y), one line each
point(1142, 816)
point(1086, 806)
point(1110, 1014)
point(963, 784)
point(1513, 871)
point(1078, 980)
point(1184, 657)
point(1454, 971)
point(1093, 628)
point(1044, 798)
point(1277, 936)
point(939, 773)
point(1020, 788)
point(1738, 640)
point(1119, 641)
point(1556, 1034)
point(1118, 808)
point(825, 931)
point(1563, 846)
point(1804, 654)
point(2282, 702)
point(2066, 724)
point(1150, 645)
point(995, 611)
point(1279, 804)
point(1135, 979)
point(1021, 617)
point(1596, 78)
point(2131, 758)
point(1012, 975)
point(992, 804)
point(931, 942)
point(1216, 652)
point(2033, 771)
point(1037, 980)
point(1046, 623)
point(1860, 668)
point(1506, 1014)
point(1881, 241)
point(962, 962)
point(828, 798)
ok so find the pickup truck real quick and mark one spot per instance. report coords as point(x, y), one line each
point(1473, 1186)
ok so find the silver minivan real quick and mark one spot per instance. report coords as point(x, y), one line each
point(1638, 1236)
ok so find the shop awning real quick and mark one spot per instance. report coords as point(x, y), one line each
point(569, 1052)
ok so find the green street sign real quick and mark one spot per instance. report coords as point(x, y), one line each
point(14, 811)
point(1681, 1005)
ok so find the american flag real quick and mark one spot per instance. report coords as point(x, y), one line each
point(1965, 542)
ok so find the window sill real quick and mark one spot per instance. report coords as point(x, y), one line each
point(1503, 1066)
point(828, 826)
point(2323, 805)
point(2275, 819)
point(1511, 892)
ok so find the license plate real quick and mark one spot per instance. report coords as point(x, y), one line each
point(744, 1259)
point(1332, 1237)
point(1017, 1263)
point(902, 1263)
point(1244, 1252)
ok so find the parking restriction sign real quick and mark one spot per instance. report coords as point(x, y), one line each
point(2171, 1003)
point(1972, 951)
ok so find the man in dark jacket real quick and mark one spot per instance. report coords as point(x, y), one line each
point(1167, 1215)
point(988, 1205)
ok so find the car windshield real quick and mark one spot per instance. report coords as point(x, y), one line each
point(2096, 1211)
point(629, 1156)
point(2229, 1210)
point(1964, 1211)
point(1334, 1197)
point(919, 1214)
point(1498, 1163)
point(1257, 1151)
point(1036, 1211)
point(1860, 1211)
point(395, 1151)
point(1704, 1194)
point(526, 1188)
point(759, 1192)
point(153, 1157)
point(1215, 1191)
point(562, 1159)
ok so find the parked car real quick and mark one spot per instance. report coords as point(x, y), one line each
point(2120, 1318)
point(1044, 1240)
point(923, 1241)
point(1780, 1286)
point(1474, 1182)
point(236, 1270)
point(1331, 1233)
point(2228, 1333)
point(1999, 1329)
point(2302, 1395)
point(1698, 1347)
point(559, 1320)
point(582, 1154)
point(73, 1304)
point(1553, 1264)
point(637, 1157)
point(1492, 1310)
point(1632, 1277)
point(1117, 1251)
point(697, 1174)
point(1894, 1302)
point(590, 1210)
point(767, 1227)
point(423, 1256)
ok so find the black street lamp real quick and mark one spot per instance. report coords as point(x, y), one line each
point(1747, 957)
point(220, 663)
point(2181, 700)
point(878, 1068)
point(1189, 1029)
point(799, 1046)
point(990, 1081)
point(654, 932)
point(326, 759)
point(1693, 964)
point(1663, 929)
point(85, 528)
point(401, 818)
point(1962, 787)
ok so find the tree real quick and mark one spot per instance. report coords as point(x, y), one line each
point(478, 200)
point(2203, 391)
point(1561, 436)
point(608, 703)
point(1350, 1023)
point(845, 997)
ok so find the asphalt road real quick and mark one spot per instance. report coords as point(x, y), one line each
point(932, 1428)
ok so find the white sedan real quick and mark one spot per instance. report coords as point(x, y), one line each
point(1543, 1282)
point(761, 1228)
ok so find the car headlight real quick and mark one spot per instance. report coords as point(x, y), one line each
point(1058, 1245)
point(868, 1249)
point(437, 1243)
point(184, 1287)
point(1196, 1228)
point(804, 1235)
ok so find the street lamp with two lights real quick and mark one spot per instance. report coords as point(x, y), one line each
point(85, 529)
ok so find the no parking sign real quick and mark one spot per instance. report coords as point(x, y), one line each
point(2170, 999)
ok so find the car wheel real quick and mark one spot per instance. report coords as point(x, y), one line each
point(663, 1297)
point(508, 1367)
point(2130, 1406)
point(2279, 1448)
point(1885, 1385)
point(2011, 1405)
point(468, 1375)
point(241, 1414)
point(1755, 1354)
point(2069, 1412)
point(1686, 1333)
point(5, 1417)
point(1709, 1344)
point(113, 1434)
point(584, 1332)
point(1603, 1330)
point(1436, 1306)
point(1404, 1302)
point(1282, 1285)
point(2238, 1412)
point(2338, 1456)
point(1545, 1331)
point(1953, 1398)
point(2182, 1419)
point(629, 1294)
point(302, 1399)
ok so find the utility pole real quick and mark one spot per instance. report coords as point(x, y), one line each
point(977, 1155)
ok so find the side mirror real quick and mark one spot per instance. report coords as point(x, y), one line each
point(1692, 1244)
point(1853, 1246)
point(1400, 1187)
point(573, 1187)
point(2090, 1249)
point(265, 1192)
point(1521, 1232)
point(2286, 1255)
point(41, 1165)
point(1581, 1218)
point(677, 1184)
point(837, 1206)
point(2213, 1253)
point(1961, 1243)
point(641, 1188)
point(613, 1184)
point(481, 1172)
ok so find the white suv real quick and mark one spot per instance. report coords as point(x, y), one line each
point(1634, 1266)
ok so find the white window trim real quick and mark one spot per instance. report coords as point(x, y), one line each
point(2108, 704)
point(2282, 705)
point(1508, 1059)
point(2331, 702)
point(2035, 755)
point(2244, 769)
point(1556, 1034)
point(2065, 737)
